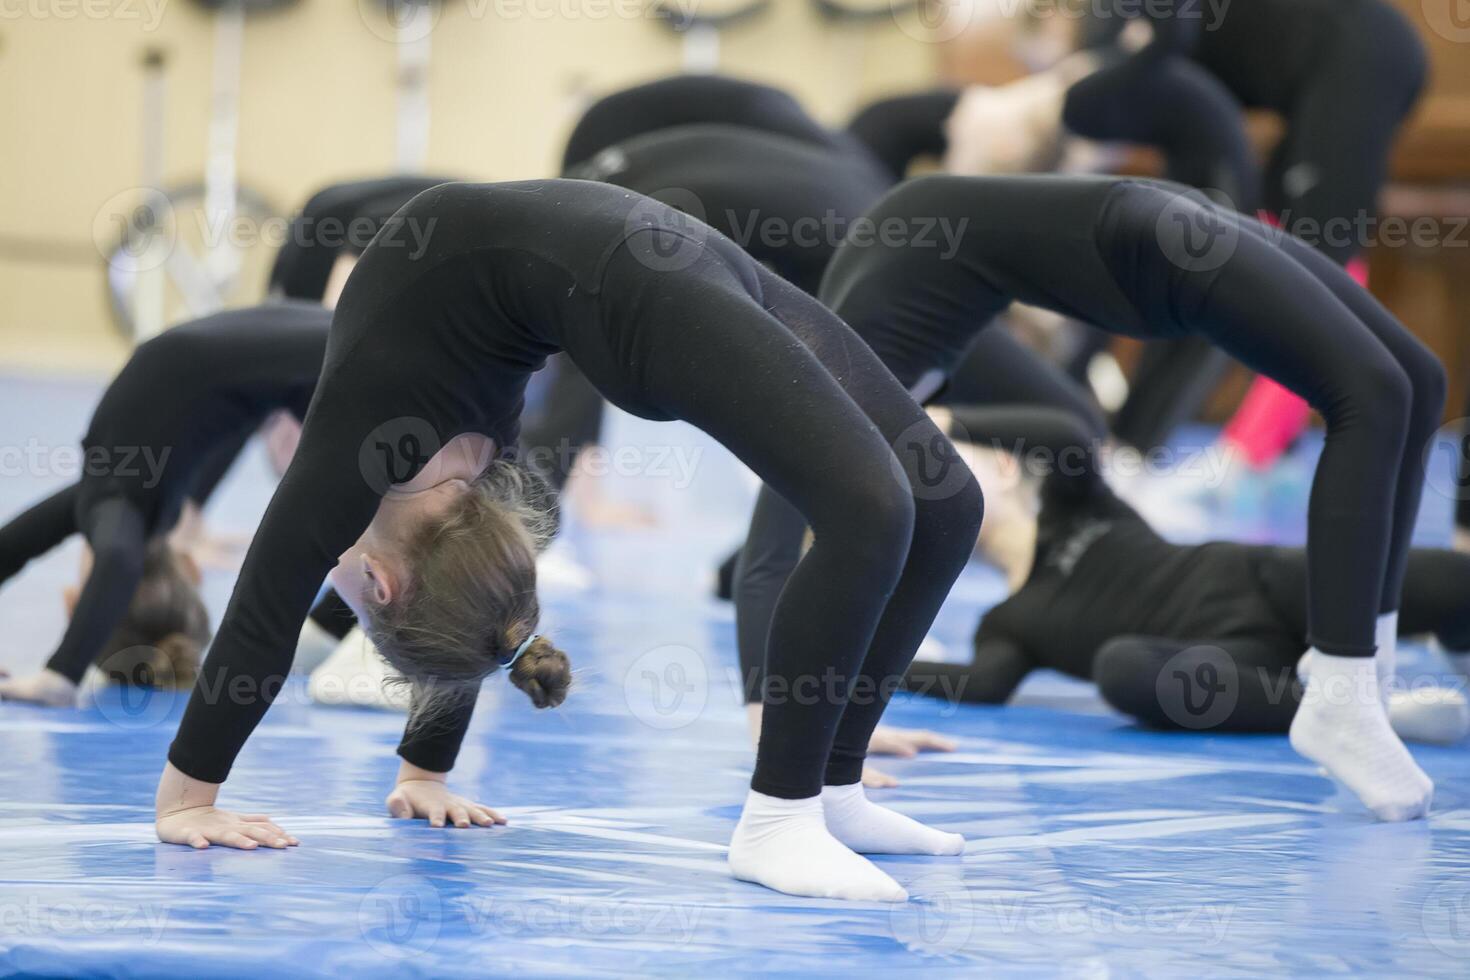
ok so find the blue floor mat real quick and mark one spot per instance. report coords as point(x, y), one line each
point(1095, 848)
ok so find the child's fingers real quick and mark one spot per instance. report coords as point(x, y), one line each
point(233, 838)
point(269, 838)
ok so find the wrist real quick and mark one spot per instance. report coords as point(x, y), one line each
point(408, 772)
point(178, 792)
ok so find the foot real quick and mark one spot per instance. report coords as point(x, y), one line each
point(1341, 725)
point(785, 845)
point(869, 828)
point(1436, 715)
point(357, 676)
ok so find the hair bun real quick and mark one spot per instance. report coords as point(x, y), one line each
point(543, 672)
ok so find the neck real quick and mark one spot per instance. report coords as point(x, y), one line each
point(464, 457)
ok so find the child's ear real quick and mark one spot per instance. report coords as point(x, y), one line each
point(380, 583)
point(69, 597)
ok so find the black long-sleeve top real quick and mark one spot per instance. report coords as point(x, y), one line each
point(184, 399)
point(1101, 571)
point(425, 348)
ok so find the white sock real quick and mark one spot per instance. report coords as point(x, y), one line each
point(1436, 715)
point(1385, 660)
point(1386, 638)
point(1342, 726)
point(785, 845)
point(869, 828)
point(355, 676)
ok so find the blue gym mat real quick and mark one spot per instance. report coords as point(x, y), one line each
point(1096, 849)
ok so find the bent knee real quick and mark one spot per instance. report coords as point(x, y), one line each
point(873, 516)
point(1427, 379)
point(1378, 397)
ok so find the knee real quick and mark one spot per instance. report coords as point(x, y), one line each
point(875, 518)
point(1378, 399)
point(1124, 678)
point(1428, 381)
point(951, 507)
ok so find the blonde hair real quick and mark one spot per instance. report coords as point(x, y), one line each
point(470, 597)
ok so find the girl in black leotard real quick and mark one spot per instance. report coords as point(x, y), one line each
point(1149, 98)
point(423, 382)
point(338, 219)
point(1147, 260)
point(1343, 75)
point(688, 100)
point(1099, 595)
point(164, 432)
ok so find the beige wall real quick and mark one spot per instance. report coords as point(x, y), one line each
point(318, 105)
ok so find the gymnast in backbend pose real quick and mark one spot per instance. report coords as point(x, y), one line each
point(789, 202)
point(401, 492)
point(1150, 261)
point(690, 100)
point(1342, 75)
point(1147, 97)
point(741, 155)
point(1166, 630)
point(165, 432)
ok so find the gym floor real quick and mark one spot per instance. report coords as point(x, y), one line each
point(1096, 848)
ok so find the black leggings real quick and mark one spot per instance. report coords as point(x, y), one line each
point(1168, 102)
point(1159, 99)
point(789, 389)
point(996, 370)
point(1144, 259)
point(1341, 114)
point(1290, 313)
point(1462, 483)
point(1249, 684)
